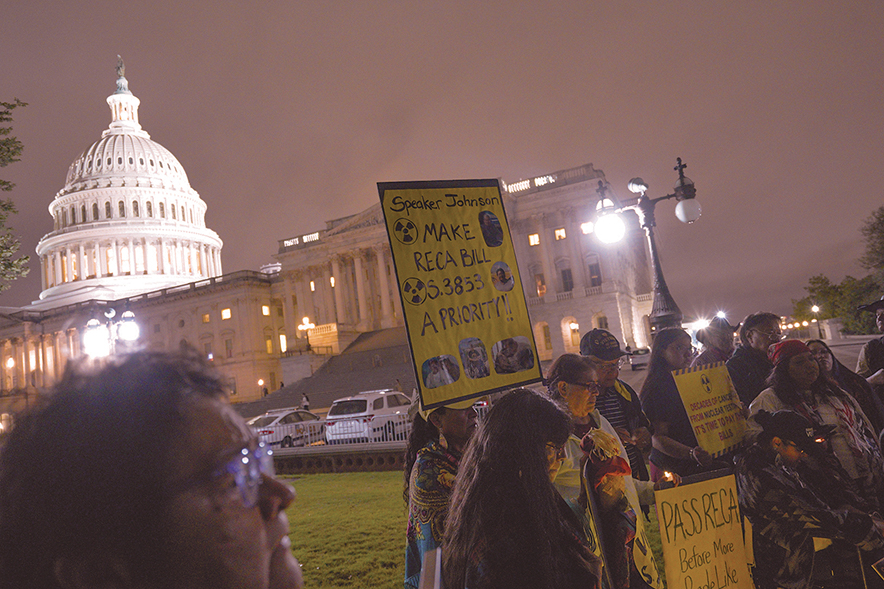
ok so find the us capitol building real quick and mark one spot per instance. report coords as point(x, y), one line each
point(129, 247)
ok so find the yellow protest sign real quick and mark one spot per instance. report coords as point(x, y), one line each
point(702, 536)
point(464, 307)
point(712, 407)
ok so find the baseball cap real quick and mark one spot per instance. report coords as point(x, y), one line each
point(873, 307)
point(795, 428)
point(601, 344)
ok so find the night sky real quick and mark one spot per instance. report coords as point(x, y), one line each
point(287, 114)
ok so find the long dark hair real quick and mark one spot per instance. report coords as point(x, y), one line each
point(658, 367)
point(504, 509)
point(787, 390)
point(422, 432)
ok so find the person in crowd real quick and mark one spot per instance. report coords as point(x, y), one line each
point(574, 383)
point(138, 473)
point(305, 402)
point(785, 488)
point(798, 384)
point(675, 447)
point(870, 364)
point(749, 366)
point(718, 342)
point(840, 375)
point(508, 527)
point(433, 452)
point(617, 401)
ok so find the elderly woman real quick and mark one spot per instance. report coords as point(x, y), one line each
point(508, 527)
point(798, 384)
point(573, 382)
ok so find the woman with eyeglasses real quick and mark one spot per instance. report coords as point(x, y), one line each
point(749, 366)
point(573, 382)
point(798, 384)
point(508, 527)
point(785, 488)
point(840, 375)
point(674, 445)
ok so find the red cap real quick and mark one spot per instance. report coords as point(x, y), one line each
point(785, 350)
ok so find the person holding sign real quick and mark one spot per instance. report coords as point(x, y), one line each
point(797, 383)
point(508, 527)
point(573, 382)
point(675, 447)
point(435, 446)
point(780, 490)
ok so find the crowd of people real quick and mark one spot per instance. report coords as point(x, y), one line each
point(551, 488)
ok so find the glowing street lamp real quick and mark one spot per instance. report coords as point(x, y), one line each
point(610, 228)
point(100, 339)
point(815, 310)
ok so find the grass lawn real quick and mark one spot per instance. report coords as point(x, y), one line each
point(348, 530)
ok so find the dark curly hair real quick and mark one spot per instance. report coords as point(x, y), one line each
point(82, 476)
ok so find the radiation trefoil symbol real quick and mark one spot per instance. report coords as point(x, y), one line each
point(414, 291)
point(704, 380)
point(405, 231)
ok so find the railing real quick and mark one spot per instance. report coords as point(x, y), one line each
point(535, 300)
point(563, 296)
point(593, 290)
point(327, 436)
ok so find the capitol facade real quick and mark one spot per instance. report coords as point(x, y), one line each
point(129, 240)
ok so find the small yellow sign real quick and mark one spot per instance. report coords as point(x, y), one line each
point(702, 536)
point(712, 406)
point(464, 307)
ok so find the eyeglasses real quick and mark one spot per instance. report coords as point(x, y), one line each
point(592, 387)
point(555, 452)
point(773, 335)
point(241, 477)
point(609, 366)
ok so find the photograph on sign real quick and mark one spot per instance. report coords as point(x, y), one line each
point(464, 307)
point(712, 405)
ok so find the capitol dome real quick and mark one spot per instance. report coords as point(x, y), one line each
point(127, 220)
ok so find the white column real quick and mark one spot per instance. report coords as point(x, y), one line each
point(102, 259)
point(386, 306)
point(161, 256)
point(218, 268)
point(131, 243)
point(117, 263)
point(360, 289)
point(340, 311)
point(81, 262)
point(95, 262)
point(575, 236)
point(56, 265)
point(548, 264)
point(204, 268)
point(44, 273)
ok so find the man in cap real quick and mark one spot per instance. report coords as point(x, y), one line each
point(617, 401)
point(718, 342)
point(870, 364)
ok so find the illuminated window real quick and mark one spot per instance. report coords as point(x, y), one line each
point(283, 344)
point(206, 318)
point(265, 310)
point(541, 284)
point(268, 341)
point(534, 239)
point(560, 234)
point(225, 313)
point(331, 280)
point(586, 228)
point(312, 286)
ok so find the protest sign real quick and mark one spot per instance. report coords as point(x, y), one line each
point(464, 307)
point(712, 407)
point(702, 536)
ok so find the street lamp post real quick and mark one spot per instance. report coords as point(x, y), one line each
point(665, 311)
point(819, 328)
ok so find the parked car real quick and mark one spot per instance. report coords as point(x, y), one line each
point(369, 416)
point(286, 428)
point(639, 358)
